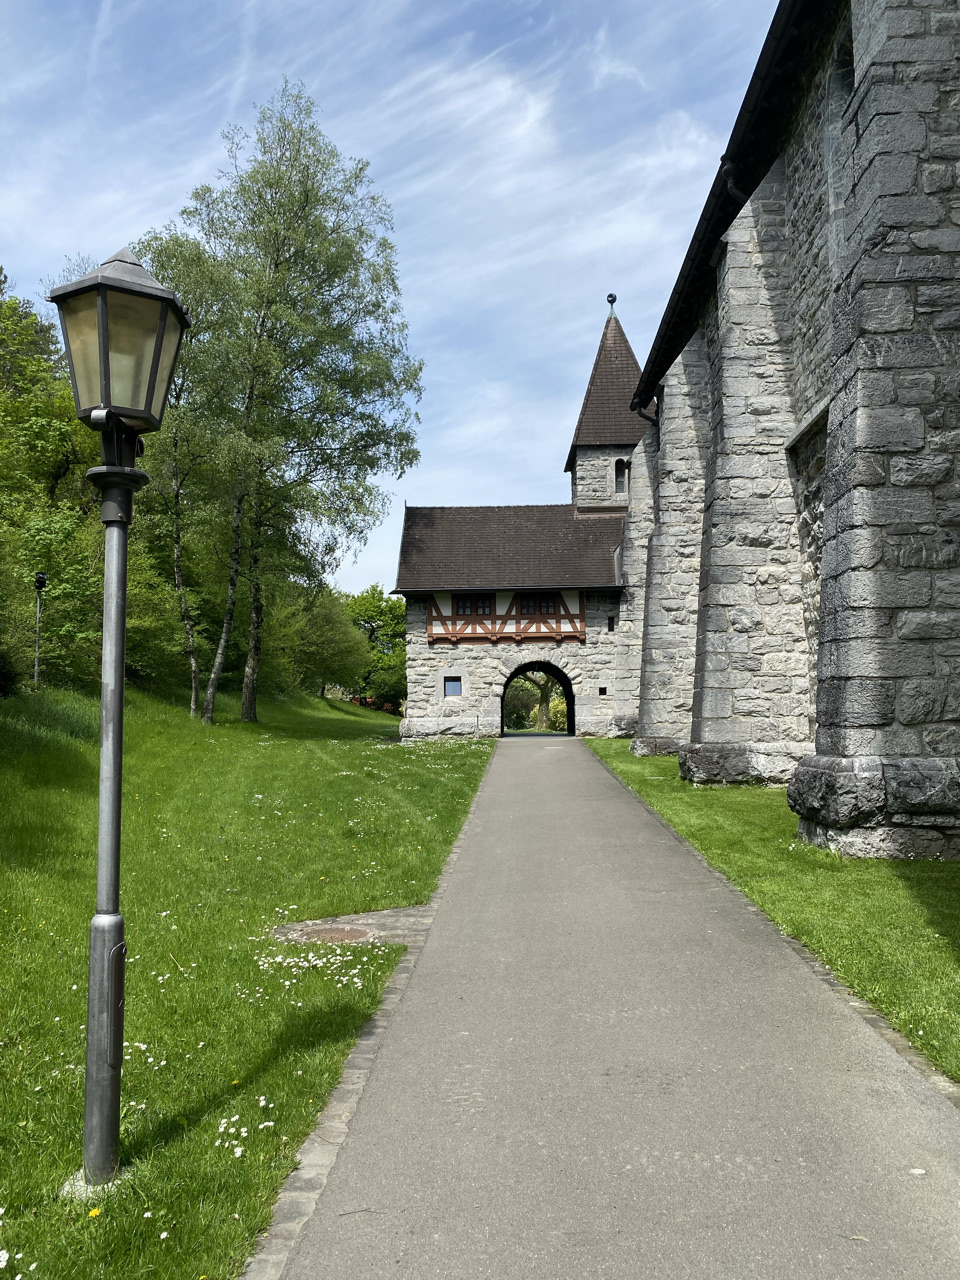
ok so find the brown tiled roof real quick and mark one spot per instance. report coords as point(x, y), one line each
point(506, 548)
point(605, 417)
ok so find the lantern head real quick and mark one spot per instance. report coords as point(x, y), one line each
point(122, 331)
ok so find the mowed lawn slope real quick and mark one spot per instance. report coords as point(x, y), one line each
point(233, 1041)
point(888, 929)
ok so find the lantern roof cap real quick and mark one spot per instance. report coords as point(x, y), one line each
point(122, 270)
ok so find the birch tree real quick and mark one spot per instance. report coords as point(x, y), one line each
point(303, 377)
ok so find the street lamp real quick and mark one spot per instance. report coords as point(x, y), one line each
point(40, 582)
point(122, 333)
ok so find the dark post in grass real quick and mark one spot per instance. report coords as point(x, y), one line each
point(122, 333)
point(39, 581)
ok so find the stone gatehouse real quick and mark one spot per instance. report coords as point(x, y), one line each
point(788, 572)
point(493, 591)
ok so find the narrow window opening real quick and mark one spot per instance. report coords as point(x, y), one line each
point(621, 475)
point(611, 624)
point(452, 686)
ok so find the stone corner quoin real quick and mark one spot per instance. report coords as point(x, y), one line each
point(762, 575)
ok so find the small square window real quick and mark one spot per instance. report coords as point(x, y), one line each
point(528, 604)
point(452, 686)
point(483, 606)
point(603, 691)
point(547, 605)
point(464, 606)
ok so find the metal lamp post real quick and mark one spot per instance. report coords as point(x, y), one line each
point(122, 332)
point(40, 582)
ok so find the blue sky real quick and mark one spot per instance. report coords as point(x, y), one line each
point(537, 154)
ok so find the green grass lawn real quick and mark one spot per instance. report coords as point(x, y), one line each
point(233, 1041)
point(890, 930)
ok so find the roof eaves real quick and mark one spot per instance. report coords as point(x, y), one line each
point(796, 37)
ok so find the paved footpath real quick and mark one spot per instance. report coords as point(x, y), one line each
point(606, 1064)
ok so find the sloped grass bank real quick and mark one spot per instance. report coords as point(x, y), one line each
point(890, 930)
point(233, 1042)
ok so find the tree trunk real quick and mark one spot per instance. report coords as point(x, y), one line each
point(186, 615)
point(233, 578)
point(543, 706)
point(251, 671)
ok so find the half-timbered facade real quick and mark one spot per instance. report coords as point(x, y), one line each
point(495, 591)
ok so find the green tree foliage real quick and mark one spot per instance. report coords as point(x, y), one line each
point(311, 643)
point(535, 700)
point(519, 704)
point(293, 396)
point(49, 521)
point(296, 386)
point(383, 619)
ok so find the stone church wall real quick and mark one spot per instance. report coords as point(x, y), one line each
point(676, 457)
point(751, 696)
point(831, 511)
point(885, 778)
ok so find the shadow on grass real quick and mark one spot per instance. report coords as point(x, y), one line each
point(935, 887)
point(335, 1027)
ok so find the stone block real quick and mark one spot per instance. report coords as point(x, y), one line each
point(946, 589)
point(922, 49)
point(854, 549)
point(838, 792)
point(889, 428)
point(929, 624)
point(856, 702)
point(940, 549)
point(920, 701)
point(884, 588)
point(857, 470)
point(857, 624)
point(875, 657)
point(917, 470)
point(879, 841)
point(922, 786)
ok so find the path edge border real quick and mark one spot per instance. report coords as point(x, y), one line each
point(947, 1088)
point(301, 1190)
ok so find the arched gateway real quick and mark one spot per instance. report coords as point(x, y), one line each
point(555, 673)
point(494, 590)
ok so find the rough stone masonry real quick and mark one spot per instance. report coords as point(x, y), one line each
point(802, 618)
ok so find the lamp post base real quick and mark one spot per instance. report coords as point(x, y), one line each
point(101, 1124)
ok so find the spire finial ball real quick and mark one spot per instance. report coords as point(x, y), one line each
point(611, 298)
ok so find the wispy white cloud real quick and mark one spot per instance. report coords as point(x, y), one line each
point(605, 65)
point(536, 157)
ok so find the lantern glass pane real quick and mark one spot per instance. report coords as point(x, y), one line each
point(168, 353)
point(132, 324)
point(79, 316)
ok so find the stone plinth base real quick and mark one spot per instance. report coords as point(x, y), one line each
point(416, 727)
point(741, 761)
point(879, 806)
point(606, 726)
point(655, 746)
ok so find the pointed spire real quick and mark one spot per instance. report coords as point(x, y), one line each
point(605, 417)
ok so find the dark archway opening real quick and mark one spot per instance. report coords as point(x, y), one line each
point(511, 720)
